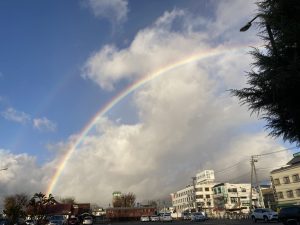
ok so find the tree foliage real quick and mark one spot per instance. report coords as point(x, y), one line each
point(274, 82)
point(38, 205)
point(15, 207)
point(125, 200)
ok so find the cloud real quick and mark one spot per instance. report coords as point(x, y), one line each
point(22, 176)
point(12, 114)
point(187, 119)
point(113, 10)
point(44, 124)
point(41, 124)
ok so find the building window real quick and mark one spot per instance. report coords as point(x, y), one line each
point(298, 192)
point(286, 180)
point(199, 196)
point(290, 194)
point(280, 195)
point(232, 189)
point(296, 178)
point(206, 189)
point(199, 189)
point(243, 189)
point(233, 200)
point(276, 181)
point(207, 196)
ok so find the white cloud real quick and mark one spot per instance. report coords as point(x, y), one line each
point(16, 116)
point(114, 10)
point(44, 124)
point(187, 120)
point(22, 176)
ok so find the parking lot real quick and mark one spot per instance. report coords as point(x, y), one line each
point(207, 222)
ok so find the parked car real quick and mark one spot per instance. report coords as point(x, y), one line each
point(4, 222)
point(198, 216)
point(186, 216)
point(154, 218)
point(88, 220)
point(73, 221)
point(165, 217)
point(290, 215)
point(264, 214)
point(30, 222)
point(57, 220)
point(144, 218)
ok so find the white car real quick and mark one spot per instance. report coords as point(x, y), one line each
point(165, 217)
point(154, 218)
point(198, 216)
point(145, 218)
point(264, 214)
point(88, 220)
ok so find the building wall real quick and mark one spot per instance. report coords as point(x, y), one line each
point(286, 182)
point(233, 197)
point(204, 190)
point(183, 199)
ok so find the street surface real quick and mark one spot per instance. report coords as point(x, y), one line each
point(208, 222)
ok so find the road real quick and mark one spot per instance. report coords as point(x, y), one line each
point(208, 222)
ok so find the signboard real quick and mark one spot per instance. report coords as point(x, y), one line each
point(205, 175)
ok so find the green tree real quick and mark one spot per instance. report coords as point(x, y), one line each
point(15, 207)
point(38, 205)
point(274, 81)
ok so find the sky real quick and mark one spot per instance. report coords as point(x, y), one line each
point(62, 62)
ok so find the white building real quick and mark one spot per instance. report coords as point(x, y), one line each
point(197, 196)
point(204, 182)
point(184, 199)
point(233, 198)
point(286, 183)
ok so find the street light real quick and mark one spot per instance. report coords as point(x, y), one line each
point(248, 25)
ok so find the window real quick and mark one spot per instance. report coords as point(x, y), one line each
point(276, 181)
point(243, 189)
point(206, 189)
point(199, 189)
point(280, 195)
point(207, 196)
point(290, 194)
point(232, 189)
point(298, 192)
point(296, 178)
point(233, 200)
point(199, 196)
point(286, 180)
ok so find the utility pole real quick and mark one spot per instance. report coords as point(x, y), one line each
point(260, 196)
point(251, 181)
point(253, 171)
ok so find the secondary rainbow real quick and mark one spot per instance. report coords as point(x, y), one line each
point(125, 92)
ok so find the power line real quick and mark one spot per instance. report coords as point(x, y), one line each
point(227, 168)
point(282, 150)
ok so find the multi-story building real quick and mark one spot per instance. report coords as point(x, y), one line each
point(286, 182)
point(204, 182)
point(233, 198)
point(197, 196)
point(184, 199)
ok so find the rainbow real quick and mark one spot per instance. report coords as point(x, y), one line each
point(125, 92)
